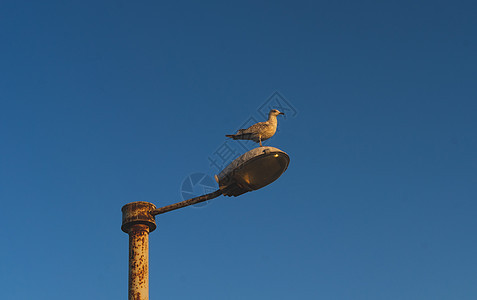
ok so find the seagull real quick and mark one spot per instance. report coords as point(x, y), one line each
point(260, 131)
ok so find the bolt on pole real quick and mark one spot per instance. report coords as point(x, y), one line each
point(138, 222)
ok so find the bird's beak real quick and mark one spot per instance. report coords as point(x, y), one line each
point(281, 113)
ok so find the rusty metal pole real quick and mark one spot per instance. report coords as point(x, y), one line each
point(138, 222)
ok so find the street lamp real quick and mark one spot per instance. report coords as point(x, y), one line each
point(251, 171)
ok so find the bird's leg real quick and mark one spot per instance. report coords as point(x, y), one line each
point(260, 139)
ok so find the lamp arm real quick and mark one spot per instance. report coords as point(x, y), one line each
point(185, 203)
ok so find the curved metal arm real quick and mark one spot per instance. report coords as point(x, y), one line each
point(185, 203)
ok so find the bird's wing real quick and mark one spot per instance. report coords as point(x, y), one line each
point(256, 128)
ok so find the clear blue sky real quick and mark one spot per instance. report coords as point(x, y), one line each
point(109, 102)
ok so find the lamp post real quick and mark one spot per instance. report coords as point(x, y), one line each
point(251, 171)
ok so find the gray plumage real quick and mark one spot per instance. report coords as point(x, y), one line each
point(259, 132)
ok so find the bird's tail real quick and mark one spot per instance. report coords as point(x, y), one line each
point(235, 136)
point(241, 136)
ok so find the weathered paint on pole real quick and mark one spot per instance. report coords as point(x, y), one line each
point(138, 222)
point(139, 262)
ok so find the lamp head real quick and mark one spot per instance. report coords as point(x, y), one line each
point(253, 170)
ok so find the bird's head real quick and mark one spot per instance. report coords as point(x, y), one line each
point(275, 112)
